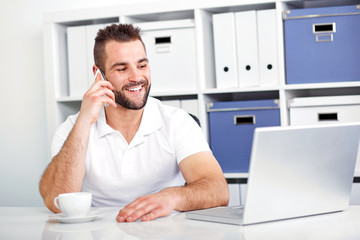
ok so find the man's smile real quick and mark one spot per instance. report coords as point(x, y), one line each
point(135, 89)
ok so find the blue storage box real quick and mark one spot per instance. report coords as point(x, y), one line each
point(322, 44)
point(232, 126)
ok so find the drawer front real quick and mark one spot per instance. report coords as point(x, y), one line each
point(324, 115)
point(231, 135)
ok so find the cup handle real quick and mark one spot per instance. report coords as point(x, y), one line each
point(56, 203)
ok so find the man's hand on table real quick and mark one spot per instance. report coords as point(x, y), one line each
point(149, 207)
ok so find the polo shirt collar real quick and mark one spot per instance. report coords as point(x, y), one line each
point(151, 120)
point(101, 125)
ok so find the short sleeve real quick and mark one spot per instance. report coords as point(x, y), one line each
point(61, 134)
point(189, 137)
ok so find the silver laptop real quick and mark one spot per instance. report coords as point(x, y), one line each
point(294, 172)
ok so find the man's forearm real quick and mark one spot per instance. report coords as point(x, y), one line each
point(203, 193)
point(66, 171)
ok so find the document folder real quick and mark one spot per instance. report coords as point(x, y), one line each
point(247, 49)
point(267, 35)
point(225, 50)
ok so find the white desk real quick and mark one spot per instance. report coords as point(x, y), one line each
point(33, 223)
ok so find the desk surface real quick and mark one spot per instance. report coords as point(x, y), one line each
point(34, 223)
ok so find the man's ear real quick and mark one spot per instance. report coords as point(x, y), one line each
point(95, 68)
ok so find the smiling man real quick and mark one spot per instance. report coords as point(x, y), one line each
point(136, 154)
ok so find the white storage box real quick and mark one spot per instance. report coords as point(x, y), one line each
point(319, 110)
point(170, 47)
point(321, 44)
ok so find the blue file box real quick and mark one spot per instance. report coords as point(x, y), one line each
point(322, 44)
point(232, 126)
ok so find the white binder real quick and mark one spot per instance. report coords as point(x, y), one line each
point(77, 61)
point(247, 49)
point(225, 50)
point(267, 37)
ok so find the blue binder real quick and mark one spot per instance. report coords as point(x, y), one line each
point(232, 126)
point(322, 44)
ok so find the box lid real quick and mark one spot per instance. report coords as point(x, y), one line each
point(243, 105)
point(324, 101)
point(162, 25)
point(321, 12)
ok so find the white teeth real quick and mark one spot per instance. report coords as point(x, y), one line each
point(135, 89)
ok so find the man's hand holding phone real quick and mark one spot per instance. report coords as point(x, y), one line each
point(99, 94)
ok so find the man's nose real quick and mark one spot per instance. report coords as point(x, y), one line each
point(135, 74)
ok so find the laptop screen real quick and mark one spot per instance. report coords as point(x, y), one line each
point(300, 171)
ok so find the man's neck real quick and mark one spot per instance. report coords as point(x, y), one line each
point(126, 121)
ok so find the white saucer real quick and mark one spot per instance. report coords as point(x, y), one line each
point(61, 218)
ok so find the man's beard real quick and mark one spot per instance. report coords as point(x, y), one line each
point(122, 100)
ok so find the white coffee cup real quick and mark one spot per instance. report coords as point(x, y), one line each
point(76, 204)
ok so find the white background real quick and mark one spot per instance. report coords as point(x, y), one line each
point(24, 152)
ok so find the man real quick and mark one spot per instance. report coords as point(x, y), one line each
point(134, 153)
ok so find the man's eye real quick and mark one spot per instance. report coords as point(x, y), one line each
point(121, 69)
point(143, 66)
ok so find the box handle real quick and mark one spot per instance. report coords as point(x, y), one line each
point(163, 40)
point(162, 44)
point(324, 38)
point(324, 31)
point(324, 28)
point(328, 117)
point(242, 120)
point(162, 49)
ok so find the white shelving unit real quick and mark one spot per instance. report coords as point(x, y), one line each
point(60, 104)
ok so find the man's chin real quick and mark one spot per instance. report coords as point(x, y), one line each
point(132, 102)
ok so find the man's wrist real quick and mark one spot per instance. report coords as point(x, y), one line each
point(83, 122)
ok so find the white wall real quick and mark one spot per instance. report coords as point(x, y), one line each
point(23, 146)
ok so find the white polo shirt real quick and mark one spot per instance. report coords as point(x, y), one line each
point(117, 172)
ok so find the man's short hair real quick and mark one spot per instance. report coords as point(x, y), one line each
point(115, 32)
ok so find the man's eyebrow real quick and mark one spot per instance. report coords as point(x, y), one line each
point(125, 63)
point(143, 60)
point(118, 64)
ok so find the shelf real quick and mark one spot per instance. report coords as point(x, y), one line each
point(240, 90)
point(173, 94)
point(321, 85)
point(240, 95)
point(68, 99)
point(351, 88)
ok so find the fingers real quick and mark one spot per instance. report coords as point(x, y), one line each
point(102, 89)
point(144, 208)
point(156, 213)
point(134, 210)
point(98, 77)
point(107, 96)
point(145, 214)
point(99, 94)
point(100, 84)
